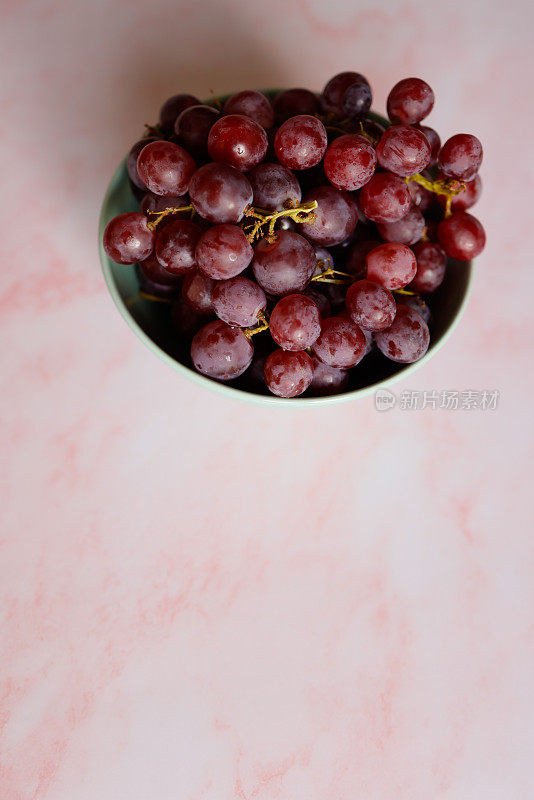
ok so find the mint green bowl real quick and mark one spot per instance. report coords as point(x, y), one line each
point(153, 328)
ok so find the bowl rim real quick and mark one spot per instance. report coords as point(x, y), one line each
point(241, 394)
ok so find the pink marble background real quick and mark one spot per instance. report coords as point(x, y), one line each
point(207, 600)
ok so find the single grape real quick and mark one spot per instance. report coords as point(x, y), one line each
point(334, 91)
point(284, 265)
point(237, 140)
point(223, 251)
point(175, 246)
point(172, 107)
point(220, 193)
point(166, 291)
point(410, 100)
point(288, 374)
point(350, 162)
point(461, 157)
point(392, 265)
point(152, 270)
point(385, 198)
point(407, 338)
point(324, 260)
point(185, 320)
point(417, 303)
point(403, 150)
point(192, 128)
point(127, 238)
point(357, 100)
point(295, 322)
point(293, 102)
point(422, 198)
point(466, 198)
point(431, 264)
point(340, 344)
point(197, 292)
point(322, 302)
point(336, 216)
point(407, 230)
point(131, 160)
point(300, 142)
point(221, 352)
point(327, 380)
point(251, 104)
point(433, 140)
point(239, 301)
point(370, 305)
point(166, 168)
point(355, 263)
point(462, 236)
point(274, 187)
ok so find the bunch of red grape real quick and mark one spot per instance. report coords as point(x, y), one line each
point(303, 219)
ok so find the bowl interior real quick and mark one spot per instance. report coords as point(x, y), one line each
point(151, 321)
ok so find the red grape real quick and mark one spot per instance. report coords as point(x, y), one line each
point(300, 142)
point(127, 238)
point(407, 338)
point(131, 160)
point(336, 216)
point(193, 126)
point(466, 198)
point(431, 264)
point(392, 265)
point(237, 140)
point(386, 198)
point(274, 187)
point(370, 305)
point(172, 107)
point(239, 301)
point(197, 291)
point(403, 150)
point(166, 168)
point(223, 251)
point(152, 270)
point(410, 100)
point(433, 140)
point(295, 322)
point(461, 236)
point(292, 102)
point(175, 246)
point(350, 162)
point(220, 193)
point(334, 91)
point(407, 230)
point(341, 343)
point(221, 352)
point(166, 291)
point(251, 104)
point(285, 265)
point(357, 100)
point(461, 157)
point(327, 380)
point(288, 374)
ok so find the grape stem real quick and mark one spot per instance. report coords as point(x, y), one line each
point(166, 211)
point(263, 326)
point(448, 187)
point(300, 213)
point(404, 291)
point(327, 276)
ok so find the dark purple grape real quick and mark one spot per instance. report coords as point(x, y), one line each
point(322, 302)
point(407, 338)
point(407, 230)
point(220, 193)
point(341, 343)
point(300, 142)
point(461, 157)
point(324, 260)
point(418, 304)
point(433, 140)
point(221, 352)
point(327, 380)
point(197, 291)
point(166, 291)
point(152, 270)
point(166, 168)
point(239, 301)
point(350, 162)
point(274, 187)
point(288, 374)
point(284, 265)
point(186, 321)
point(403, 150)
point(128, 239)
point(355, 263)
point(392, 265)
point(385, 198)
point(295, 322)
point(193, 126)
point(172, 107)
point(131, 160)
point(294, 102)
point(153, 202)
point(223, 251)
point(410, 101)
point(175, 246)
point(237, 140)
point(251, 104)
point(335, 216)
point(334, 91)
point(431, 264)
point(466, 198)
point(370, 305)
point(357, 100)
point(462, 236)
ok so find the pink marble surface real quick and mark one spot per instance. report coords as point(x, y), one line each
point(206, 600)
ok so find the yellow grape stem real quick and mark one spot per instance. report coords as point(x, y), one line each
point(166, 211)
point(299, 214)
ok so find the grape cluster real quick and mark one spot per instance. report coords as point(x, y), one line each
point(301, 218)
